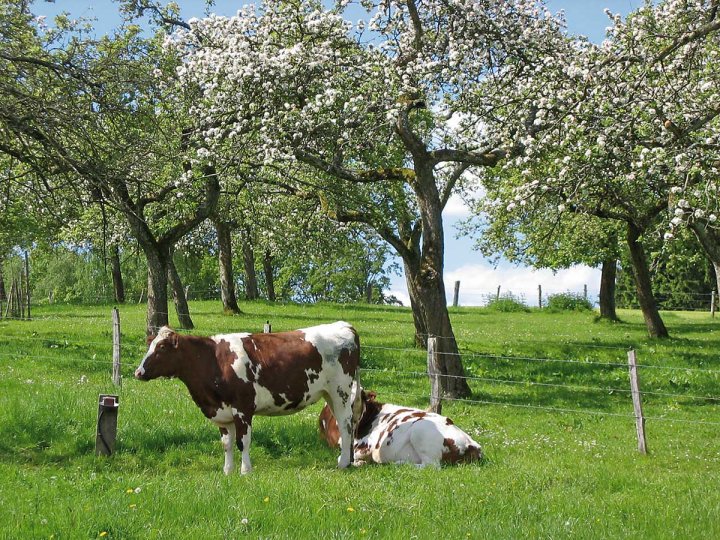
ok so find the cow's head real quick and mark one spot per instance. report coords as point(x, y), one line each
point(328, 426)
point(161, 359)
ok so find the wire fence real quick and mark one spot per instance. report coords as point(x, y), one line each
point(462, 295)
point(495, 389)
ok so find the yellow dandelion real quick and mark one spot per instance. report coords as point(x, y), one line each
point(350, 509)
point(129, 490)
point(133, 505)
point(266, 500)
point(104, 533)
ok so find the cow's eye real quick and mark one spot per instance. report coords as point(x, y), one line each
point(161, 346)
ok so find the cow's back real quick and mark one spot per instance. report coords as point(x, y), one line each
point(291, 370)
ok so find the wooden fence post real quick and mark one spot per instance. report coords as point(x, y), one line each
point(497, 296)
point(585, 291)
point(368, 293)
point(434, 374)
point(712, 303)
point(267, 328)
point(106, 425)
point(456, 294)
point(540, 296)
point(116, 347)
point(637, 402)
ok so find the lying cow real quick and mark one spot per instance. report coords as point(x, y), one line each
point(393, 434)
point(233, 377)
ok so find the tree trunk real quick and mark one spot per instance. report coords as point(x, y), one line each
point(421, 332)
point(643, 284)
point(251, 285)
point(181, 306)
point(428, 284)
point(227, 279)
point(432, 308)
point(3, 292)
point(607, 290)
point(157, 300)
point(269, 275)
point(118, 285)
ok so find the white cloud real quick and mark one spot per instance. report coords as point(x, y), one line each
point(456, 208)
point(401, 295)
point(478, 281)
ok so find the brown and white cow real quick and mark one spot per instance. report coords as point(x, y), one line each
point(233, 377)
point(394, 434)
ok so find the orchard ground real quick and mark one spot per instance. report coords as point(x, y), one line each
point(550, 407)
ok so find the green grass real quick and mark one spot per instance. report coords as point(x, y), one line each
point(548, 473)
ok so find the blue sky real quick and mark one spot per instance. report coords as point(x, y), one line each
point(585, 17)
point(477, 276)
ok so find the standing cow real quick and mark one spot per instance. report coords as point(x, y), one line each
point(393, 434)
point(233, 377)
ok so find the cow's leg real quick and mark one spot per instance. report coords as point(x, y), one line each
point(243, 429)
point(342, 409)
point(227, 436)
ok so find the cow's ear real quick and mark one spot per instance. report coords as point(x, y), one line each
point(371, 396)
point(173, 339)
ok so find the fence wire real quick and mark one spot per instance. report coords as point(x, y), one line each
point(61, 344)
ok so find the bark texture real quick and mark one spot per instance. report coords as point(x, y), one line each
point(178, 292)
point(248, 253)
point(641, 273)
point(116, 271)
point(227, 276)
point(607, 290)
point(269, 275)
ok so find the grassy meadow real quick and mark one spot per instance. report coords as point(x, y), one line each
point(550, 407)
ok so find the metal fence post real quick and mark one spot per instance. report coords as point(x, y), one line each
point(106, 425)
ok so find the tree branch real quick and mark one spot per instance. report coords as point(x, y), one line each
point(687, 38)
point(368, 176)
point(450, 184)
point(488, 158)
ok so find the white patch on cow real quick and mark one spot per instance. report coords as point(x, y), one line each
point(235, 342)
point(162, 334)
point(331, 339)
point(413, 439)
point(265, 403)
point(224, 415)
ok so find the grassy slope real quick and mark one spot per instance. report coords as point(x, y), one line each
point(547, 473)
